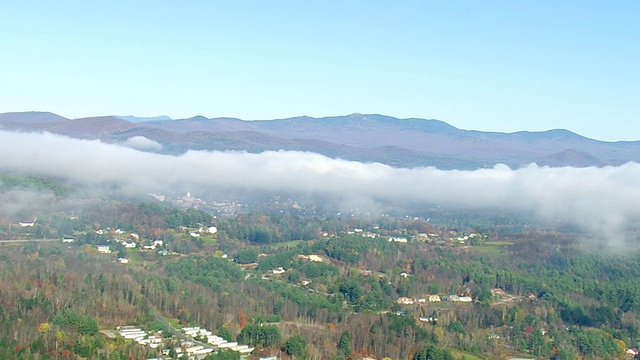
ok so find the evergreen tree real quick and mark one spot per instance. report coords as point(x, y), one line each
point(344, 345)
point(296, 346)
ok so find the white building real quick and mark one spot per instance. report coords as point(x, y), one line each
point(315, 258)
point(405, 301)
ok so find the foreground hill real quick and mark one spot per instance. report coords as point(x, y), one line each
point(369, 138)
point(300, 287)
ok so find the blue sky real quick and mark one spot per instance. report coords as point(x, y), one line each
point(482, 65)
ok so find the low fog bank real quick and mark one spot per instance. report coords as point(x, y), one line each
point(602, 201)
point(30, 204)
point(23, 203)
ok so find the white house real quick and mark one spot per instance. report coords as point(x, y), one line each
point(27, 223)
point(212, 230)
point(104, 249)
point(398, 239)
point(497, 291)
point(405, 301)
point(434, 298)
point(129, 245)
point(428, 319)
point(68, 240)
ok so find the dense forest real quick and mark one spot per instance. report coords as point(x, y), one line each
point(307, 287)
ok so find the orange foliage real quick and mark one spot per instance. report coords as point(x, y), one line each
point(242, 318)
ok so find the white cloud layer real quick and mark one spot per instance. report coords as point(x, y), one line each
point(602, 200)
point(142, 143)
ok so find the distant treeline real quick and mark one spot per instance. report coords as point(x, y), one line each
point(15, 181)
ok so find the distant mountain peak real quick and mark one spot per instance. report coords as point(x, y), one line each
point(31, 117)
point(138, 119)
point(198, 118)
point(570, 156)
point(549, 134)
point(562, 132)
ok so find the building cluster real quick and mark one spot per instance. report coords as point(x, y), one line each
point(312, 258)
point(433, 299)
point(464, 238)
point(27, 223)
point(402, 237)
point(195, 344)
point(215, 341)
point(151, 339)
point(200, 231)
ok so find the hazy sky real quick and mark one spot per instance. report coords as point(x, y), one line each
point(484, 65)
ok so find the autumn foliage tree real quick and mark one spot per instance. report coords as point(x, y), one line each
point(242, 319)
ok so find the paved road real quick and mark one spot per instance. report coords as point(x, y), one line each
point(175, 332)
point(29, 240)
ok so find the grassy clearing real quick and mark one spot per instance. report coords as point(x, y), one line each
point(499, 243)
point(209, 240)
point(492, 247)
point(467, 356)
point(286, 244)
point(489, 250)
point(134, 256)
point(175, 323)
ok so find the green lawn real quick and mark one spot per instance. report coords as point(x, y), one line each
point(492, 247)
point(499, 243)
point(488, 249)
point(467, 356)
point(209, 239)
point(134, 256)
point(286, 244)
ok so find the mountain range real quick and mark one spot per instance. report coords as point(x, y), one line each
point(369, 138)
